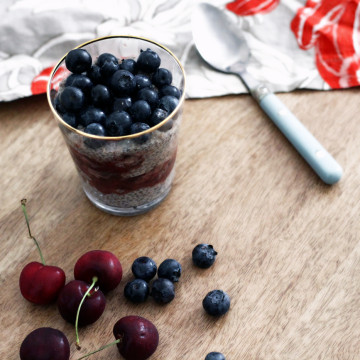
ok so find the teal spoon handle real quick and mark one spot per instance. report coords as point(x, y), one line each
point(324, 165)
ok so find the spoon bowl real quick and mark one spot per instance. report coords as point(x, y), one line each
point(217, 40)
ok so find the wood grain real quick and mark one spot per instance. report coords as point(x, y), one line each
point(289, 250)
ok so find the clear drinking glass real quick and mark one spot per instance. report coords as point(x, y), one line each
point(122, 175)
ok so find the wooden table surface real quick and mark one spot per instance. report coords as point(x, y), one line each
point(288, 245)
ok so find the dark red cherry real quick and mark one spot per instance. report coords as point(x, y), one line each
point(41, 284)
point(102, 264)
point(70, 298)
point(45, 344)
point(138, 337)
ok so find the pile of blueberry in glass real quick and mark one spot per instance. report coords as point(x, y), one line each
point(116, 98)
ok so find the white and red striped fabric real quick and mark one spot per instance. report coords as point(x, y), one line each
point(252, 7)
point(332, 27)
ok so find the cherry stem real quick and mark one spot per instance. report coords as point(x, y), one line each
point(23, 205)
point(94, 280)
point(102, 348)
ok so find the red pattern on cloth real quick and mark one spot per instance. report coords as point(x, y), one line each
point(39, 83)
point(332, 27)
point(252, 7)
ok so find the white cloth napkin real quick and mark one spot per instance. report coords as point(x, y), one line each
point(34, 34)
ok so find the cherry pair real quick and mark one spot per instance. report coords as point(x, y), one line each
point(136, 338)
point(41, 284)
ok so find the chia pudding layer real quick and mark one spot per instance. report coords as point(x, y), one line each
point(124, 173)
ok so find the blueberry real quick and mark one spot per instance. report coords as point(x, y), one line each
point(157, 116)
point(203, 255)
point(140, 111)
point(122, 104)
point(72, 99)
point(92, 115)
point(123, 83)
point(78, 61)
point(70, 119)
point(118, 123)
point(139, 127)
point(168, 103)
point(162, 290)
point(108, 68)
point(129, 65)
point(148, 61)
point(215, 356)
point(144, 268)
point(80, 81)
point(100, 96)
point(148, 95)
point(142, 81)
point(169, 90)
point(94, 129)
point(216, 303)
point(162, 77)
point(106, 57)
point(137, 291)
point(57, 104)
point(170, 269)
point(94, 74)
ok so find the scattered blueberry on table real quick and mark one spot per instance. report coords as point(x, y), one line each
point(137, 291)
point(96, 92)
point(144, 268)
point(203, 255)
point(162, 290)
point(214, 355)
point(170, 269)
point(216, 303)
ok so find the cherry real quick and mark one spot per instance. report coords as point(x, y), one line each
point(45, 344)
point(40, 283)
point(70, 298)
point(102, 264)
point(138, 337)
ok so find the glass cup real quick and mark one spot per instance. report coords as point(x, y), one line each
point(124, 175)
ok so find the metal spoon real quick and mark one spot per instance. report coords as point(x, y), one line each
point(223, 46)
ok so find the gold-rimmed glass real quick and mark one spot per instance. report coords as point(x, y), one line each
point(122, 175)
